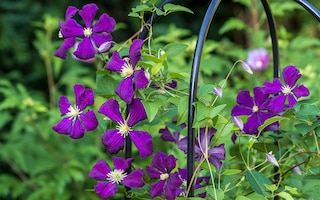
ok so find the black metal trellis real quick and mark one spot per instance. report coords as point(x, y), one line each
point(196, 66)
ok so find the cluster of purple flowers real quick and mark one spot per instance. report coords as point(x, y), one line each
point(270, 100)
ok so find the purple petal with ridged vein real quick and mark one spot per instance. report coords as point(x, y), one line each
point(85, 49)
point(273, 87)
point(77, 130)
point(113, 141)
point(290, 75)
point(182, 144)
point(105, 189)
point(84, 96)
point(103, 38)
point(100, 170)
point(245, 99)
point(134, 179)
point(135, 51)
point(156, 189)
point(143, 142)
point(70, 12)
point(71, 28)
point(153, 173)
point(291, 100)
point(277, 103)
point(259, 96)
point(105, 23)
point(240, 110)
point(64, 126)
point(116, 63)
point(166, 135)
point(121, 163)
point(300, 91)
point(252, 124)
point(215, 161)
point(170, 162)
point(158, 161)
point(64, 105)
point(125, 90)
point(140, 79)
point(88, 13)
point(218, 151)
point(111, 109)
point(89, 120)
point(67, 44)
point(205, 139)
point(137, 112)
point(172, 188)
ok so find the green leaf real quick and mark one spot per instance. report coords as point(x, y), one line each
point(305, 128)
point(271, 188)
point(292, 190)
point(106, 85)
point(257, 182)
point(242, 198)
point(270, 121)
point(244, 2)
point(169, 8)
point(316, 192)
point(174, 49)
point(307, 109)
point(217, 110)
point(232, 24)
point(285, 195)
point(152, 108)
point(183, 110)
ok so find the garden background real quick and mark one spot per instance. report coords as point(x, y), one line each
point(36, 162)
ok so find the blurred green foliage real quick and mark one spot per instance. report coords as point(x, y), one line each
point(37, 163)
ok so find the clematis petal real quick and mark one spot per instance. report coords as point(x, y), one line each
point(252, 124)
point(134, 179)
point(71, 28)
point(105, 23)
point(166, 135)
point(182, 144)
point(170, 163)
point(113, 141)
point(121, 163)
point(152, 172)
point(259, 96)
point(205, 139)
point(135, 51)
point(77, 130)
point(158, 161)
point(215, 161)
point(64, 126)
point(71, 11)
point(240, 110)
point(64, 105)
point(291, 100)
point(102, 39)
point(137, 112)
point(300, 91)
point(116, 63)
point(143, 142)
point(67, 44)
point(245, 99)
point(218, 152)
point(84, 96)
point(273, 87)
point(125, 90)
point(85, 49)
point(290, 75)
point(88, 13)
point(89, 120)
point(277, 103)
point(140, 79)
point(172, 188)
point(100, 170)
point(156, 189)
point(111, 109)
point(105, 189)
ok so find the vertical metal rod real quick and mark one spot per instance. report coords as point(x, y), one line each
point(310, 8)
point(274, 39)
point(193, 89)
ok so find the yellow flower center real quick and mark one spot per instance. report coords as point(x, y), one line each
point(126, 69)
point(164, 176)
point(123, 129)
point(255, 109)
point(74, 112)
point(116, 176)
point(87, 32)
point(286, 89)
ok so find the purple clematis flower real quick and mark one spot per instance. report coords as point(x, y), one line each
point(288, 91)
point(257, 108)
point(77, 122)
point(258, 59)
point(200, 182)
point(114, 139)
point(127, 69)
point(166, 135)
point(169, 183)
point(95, 38)
point(109, 179)
point(215, 154)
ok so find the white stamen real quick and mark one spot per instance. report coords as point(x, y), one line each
point(116, 176)
point(74, 112)
point(164, 176)
point(126, 69)
point(255, 109)
point(286, 89)
point(123, 129)
point(87, 32)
